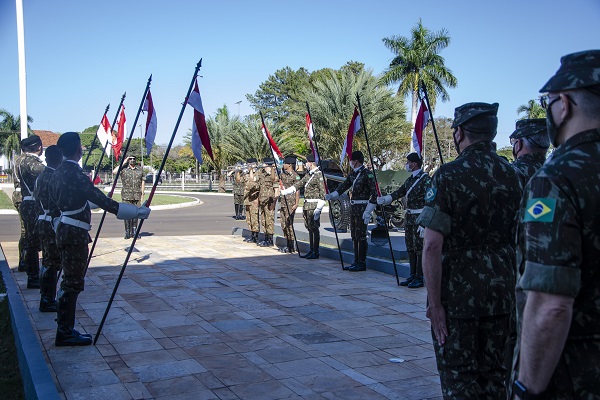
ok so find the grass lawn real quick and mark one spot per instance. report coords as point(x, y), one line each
point(5, 201)
point(11, 386)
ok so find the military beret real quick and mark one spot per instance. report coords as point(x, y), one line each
point(251, 160)
point(358, 156)
point(310, 158)
point(53, 155)
point(268, 160)
point(469, 111)
point(31, 141)
point(413, 157)
point(289, 160)
point(529, 127)
point(68, 139)
point(577, 70)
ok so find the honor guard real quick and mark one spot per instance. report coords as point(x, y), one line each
point(251, 200)
point(238, 191)
point(268, 192)
point(288, 202)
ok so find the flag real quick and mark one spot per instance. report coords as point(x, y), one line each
point(274, 149)
point(309, 128)
point(352, 129)
point(199, 130)
point(103, 134)
point(420, 124)
point(151, 125)
point(117, 140)
point(97, 180)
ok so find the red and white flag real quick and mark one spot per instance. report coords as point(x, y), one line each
point(117, 140)
point(199, 130)
point(151, 125)
point(352, 129)
point(274, 149)
point(309, 128)
point(104, 135)
point(420, 124)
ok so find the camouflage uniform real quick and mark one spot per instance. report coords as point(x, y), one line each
point(527, 165)
point(287, 218)
point(238, 193)
point(473, 202)
point(131, 192)
point(17, 198)
point(266, 199)
point(314, 192)
point(251, 189)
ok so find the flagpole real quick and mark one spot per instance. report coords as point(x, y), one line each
point(95, 138)
point(148, 202)
point(284, 197)
point(114, 185)
point(110, 133)
point(337, 240)
point(437, 141)
point(364, 126)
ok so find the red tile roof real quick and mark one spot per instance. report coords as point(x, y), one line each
point(48, 138)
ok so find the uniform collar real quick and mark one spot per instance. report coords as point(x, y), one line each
point(417, 172)
point(591, 135)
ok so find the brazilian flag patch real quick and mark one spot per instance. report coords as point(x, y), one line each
point(540, 210)
point(430, 194)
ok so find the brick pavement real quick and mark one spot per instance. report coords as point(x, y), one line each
point(211, 317)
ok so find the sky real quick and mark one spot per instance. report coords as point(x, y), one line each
point(83, 55)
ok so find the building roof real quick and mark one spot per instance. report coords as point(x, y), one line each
point(48, 138)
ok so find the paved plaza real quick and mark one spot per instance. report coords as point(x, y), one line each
point(211, 317)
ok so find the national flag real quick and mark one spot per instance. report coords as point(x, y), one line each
point(420, 124)
point(151, 125)
point(117, 140)
point(309, 128)
point(274, 149)
point(352, 129)
point(97, 180)
point(104, 134)
point(199, 130)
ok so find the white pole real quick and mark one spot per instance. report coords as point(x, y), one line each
point(22, 75)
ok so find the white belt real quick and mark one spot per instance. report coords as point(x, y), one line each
point(73, 212)
point(75, 222)
point(28, 198)
point(414, 211)
point(311, 200)
point(359, 202)
point(17, 189)
point(45, 217)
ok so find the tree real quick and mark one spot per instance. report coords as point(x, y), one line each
point(533, 109)
point(417, 59)
point(221, 126)
point(443, 126)
point(10, 127)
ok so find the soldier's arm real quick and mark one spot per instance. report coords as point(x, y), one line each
point(95, 195)
point(347, 184)
point(372, 188)
point(400, 192)
point(432, 270)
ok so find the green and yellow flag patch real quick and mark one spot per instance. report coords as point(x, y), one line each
point(540, 210)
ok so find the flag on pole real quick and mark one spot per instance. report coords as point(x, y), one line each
point(104, 134)
point(420, 124)
point(199, 130)
point(117, 140)
point(151, 125)
point(309, 128)
point(352, 129)
point(274, 149)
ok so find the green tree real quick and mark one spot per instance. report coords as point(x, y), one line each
point(443, 126)
point(507, 153)
point(532, 109)
point(417, 59)
point(10, 139)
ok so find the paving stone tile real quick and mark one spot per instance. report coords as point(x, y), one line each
point(175, 386)
point(258, 391)
point(115, 391)
point(147, 358)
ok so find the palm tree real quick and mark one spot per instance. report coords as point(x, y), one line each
point(417, 59)
point(532, 109)
point(10, 126)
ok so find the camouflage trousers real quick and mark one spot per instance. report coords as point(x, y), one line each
point(238, 199)
point(287, 221)
point(131, 224)
point(414, 242)
point(50, 253)
point(471, 363)
point(267, 214)
point(358, 228)
point(31, 241)
point(73, 261)
point(252, 216)
point(17, 204)
point(309, 221)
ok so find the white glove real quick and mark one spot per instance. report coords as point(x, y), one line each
point(332, 195)
point(387, 199)
point(320, 205)
point(130, 211)
point(290, 190)
point(367, 214)
point(421, 231)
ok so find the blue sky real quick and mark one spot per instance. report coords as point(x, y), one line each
point(82, 55)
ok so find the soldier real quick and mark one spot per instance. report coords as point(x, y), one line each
point(238, 191)
point(17, 198)
point(363, 199)
point(268, 193)
point(314, 195)
point(558, 254)
point(28, 167)
point(50, 255)
point(468, 258)
point(251, 200)
point(414, 190)
point(132, 191)
point(288, 202)
point(530, 143)
point(72, 192)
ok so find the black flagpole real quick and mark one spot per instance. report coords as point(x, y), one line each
point(106, 145)
point(279, 177)
point(377, 185)
point(147, 203)
point(114, 185)
point(437, 141)
point(95, 138)
point(325, 184)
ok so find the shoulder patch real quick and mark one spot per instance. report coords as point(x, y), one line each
point(370, 175)
point(540, 210)
point(298, 177)
point(430, 194)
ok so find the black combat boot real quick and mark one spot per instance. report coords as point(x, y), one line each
point(355, 247)
point(133, 230)
point(65, 334)
point(311, 241)
point(316, 239)
point(268, 242)
point(361, 263)
point(237, 211)
point(22, 267)
point(254, 237)
point(48, 290)
point(412, 260)
point(291, 246)
point(127, 229)
point(32, 262)
point(418, 281)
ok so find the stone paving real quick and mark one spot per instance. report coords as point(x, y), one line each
point(211, 317)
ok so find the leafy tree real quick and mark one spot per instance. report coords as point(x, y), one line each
point(443, 126)
point(532, 109)
point(507, 153)
point(10, 128)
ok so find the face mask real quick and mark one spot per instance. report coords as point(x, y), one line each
point(456, 144)
point(407, 167)
point(552, 126)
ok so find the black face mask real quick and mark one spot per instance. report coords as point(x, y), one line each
point(514, 153)
point(456, 143)
point(552, 126)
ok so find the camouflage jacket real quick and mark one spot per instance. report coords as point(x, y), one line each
point(288, 179)
point(238, 183)
point(473, 202)
point(131, 179)
point(413, 189)
point(314, 189)
point(527, 165)
point(70, 189)
point(45, 205)
point(28, 167)
point(250, 188)
point(362, 185)
point(267, 185)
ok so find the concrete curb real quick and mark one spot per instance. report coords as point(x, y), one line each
point(37, 380)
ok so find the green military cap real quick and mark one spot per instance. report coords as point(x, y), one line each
point(469, 111)
point(529, 127)
point(577, 70)
point(33, 140)
point(289, 160)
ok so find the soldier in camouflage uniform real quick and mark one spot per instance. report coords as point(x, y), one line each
point(49, 211)
point(72, 191)
point(268, 192)
point(314, 195)
point(469, 258)
point(132, 191)
point(28, 167)
point(363, 202)
point(288, 202)
point(414, 190)
point(17, 198)
point(238, 191)
point(530, 143)
point(251, 200)
point(558, 252)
